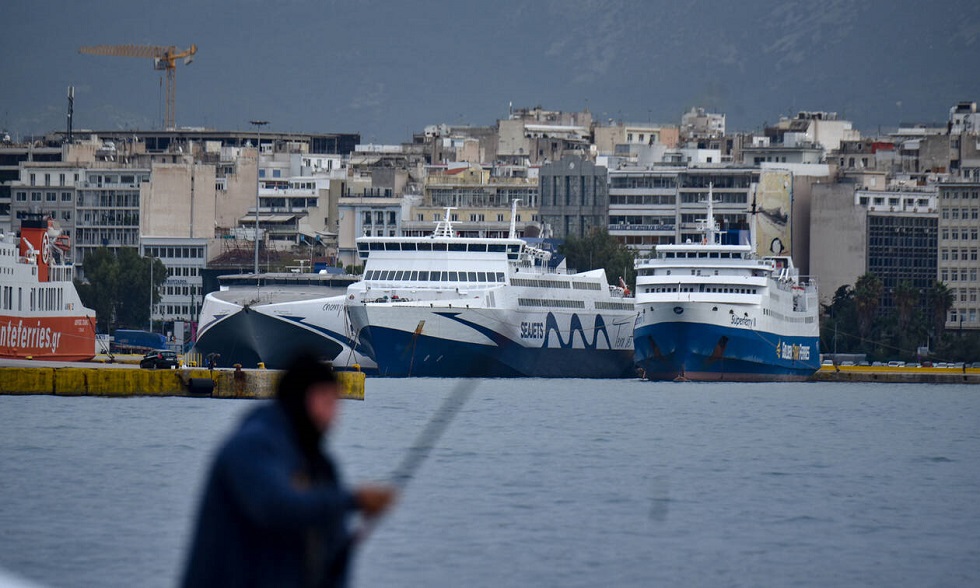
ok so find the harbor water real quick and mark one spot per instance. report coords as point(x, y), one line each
point(538, 483)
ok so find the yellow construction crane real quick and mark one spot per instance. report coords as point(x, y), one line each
point(164, 58)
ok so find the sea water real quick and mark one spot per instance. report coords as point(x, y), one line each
point(538, 483)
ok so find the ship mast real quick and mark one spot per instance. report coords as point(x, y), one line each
point(513, 219)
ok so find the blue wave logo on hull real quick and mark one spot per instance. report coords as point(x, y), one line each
point(549, 328)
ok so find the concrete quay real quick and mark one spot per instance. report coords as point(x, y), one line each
point(897, 375)
point(88, 379)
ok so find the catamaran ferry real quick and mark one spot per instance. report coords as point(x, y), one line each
point(713, 311)
point(449, 306)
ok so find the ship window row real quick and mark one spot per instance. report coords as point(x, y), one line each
point(586, 286)
point(529, 283)
point(45, 299)
point(7, 301)
point(540, 302)
point(702, 255)
point(703, 288)
point(428, 246)
point(603, 305)
point(434, 276)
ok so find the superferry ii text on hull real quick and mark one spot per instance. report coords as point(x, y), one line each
point(449, 306)
point(710, 311)
point(41, 315)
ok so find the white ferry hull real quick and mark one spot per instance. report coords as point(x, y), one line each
point(409, 340)
point(273, 333)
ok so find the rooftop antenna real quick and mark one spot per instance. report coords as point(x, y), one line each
point(71, 111)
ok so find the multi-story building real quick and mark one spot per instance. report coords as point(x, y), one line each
point(12, 157)
point(481, 197)
point(107, 211)
point(698, 123)
point(661, 204)
point(533, 136)
point(889, 233)
point(609, 138)
point(574, 197)
point(181, 295)
point(959, 242)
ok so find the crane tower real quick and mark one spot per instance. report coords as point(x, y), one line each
point(164, 58)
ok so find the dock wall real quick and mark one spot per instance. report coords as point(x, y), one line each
point(102, 381)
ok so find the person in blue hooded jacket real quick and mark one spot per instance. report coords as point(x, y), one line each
point(275, 511)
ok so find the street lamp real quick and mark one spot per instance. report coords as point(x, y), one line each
point(258, 149)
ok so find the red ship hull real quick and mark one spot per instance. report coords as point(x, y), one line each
point(55, 338)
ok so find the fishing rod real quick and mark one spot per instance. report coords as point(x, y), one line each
point(426, 440)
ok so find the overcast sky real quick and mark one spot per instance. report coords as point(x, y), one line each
point(387, 69)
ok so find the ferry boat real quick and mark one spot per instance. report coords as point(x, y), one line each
point(448, 306)
point(41, 315)
point(267, 319)
point(713, 311)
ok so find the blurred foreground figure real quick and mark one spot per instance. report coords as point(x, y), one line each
point(275, 511)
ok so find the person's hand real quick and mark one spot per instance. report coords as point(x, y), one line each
point(374, 499)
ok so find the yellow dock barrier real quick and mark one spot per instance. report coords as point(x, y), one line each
point(92, 380)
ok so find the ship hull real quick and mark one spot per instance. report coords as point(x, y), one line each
point(494, 343)
point(52, 338)
point(701, 351)
point(273, 334)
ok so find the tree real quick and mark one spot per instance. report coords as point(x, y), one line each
point(906, 299)
point(867, 298)
point(837, 331)
point(118, 287)
point(942, 301)
point(599, 249)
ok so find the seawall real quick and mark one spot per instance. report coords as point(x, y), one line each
point(120, 382)
point(897, 375)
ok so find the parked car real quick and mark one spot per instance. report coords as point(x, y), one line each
point(156, 360)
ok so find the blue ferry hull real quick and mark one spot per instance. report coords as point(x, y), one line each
point(402, 354)
point(705, 352)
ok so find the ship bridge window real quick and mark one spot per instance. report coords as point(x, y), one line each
point(408, 246)
point(483, 276)
point(414, 277)
point(457, 247)
point(496, 248)
point(462, 276)
point(423, 276)
point(392, 246)
point(362, 246)
point(424, 246)
point(714, 255)
point(472, 276)
point(453, 276)
point(377, 246)
point(702, 254)
point(438, 246)
point(482, 247)
point(399, 276)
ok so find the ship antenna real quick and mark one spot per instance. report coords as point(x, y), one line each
point(709, 224)
point(444, 228)
point(513, 219)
